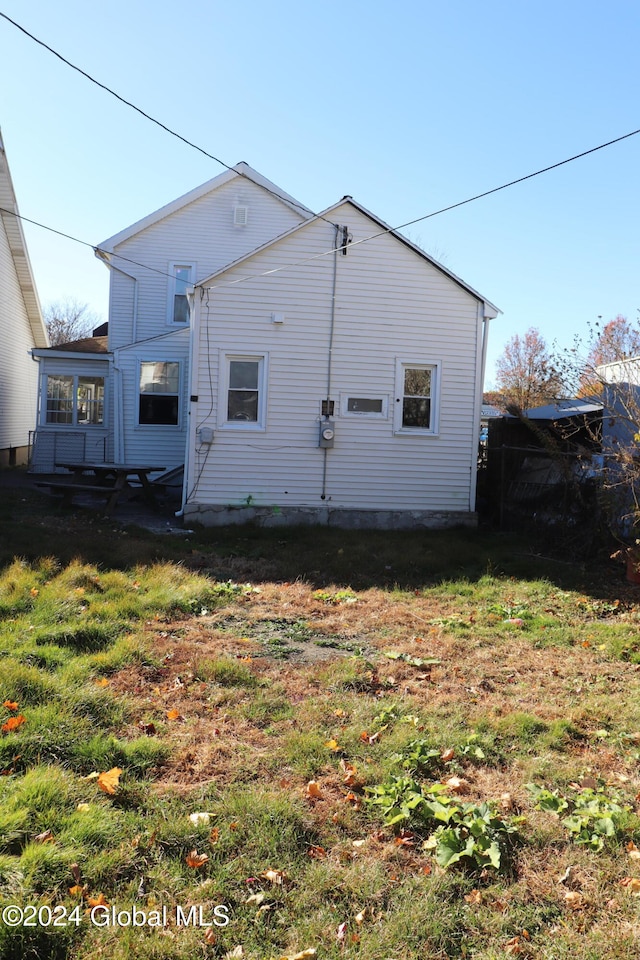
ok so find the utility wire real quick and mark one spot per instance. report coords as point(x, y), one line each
point(85, 243)
point(354, 243)
point(146, 115)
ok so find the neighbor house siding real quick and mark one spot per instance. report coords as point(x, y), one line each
point(390, 304)
point(18, 372)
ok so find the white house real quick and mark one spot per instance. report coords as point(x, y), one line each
point(299, 373)
point(335, 379)
point(125, 398)
point(21, 328)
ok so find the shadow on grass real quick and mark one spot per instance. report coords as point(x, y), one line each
point(31, 527)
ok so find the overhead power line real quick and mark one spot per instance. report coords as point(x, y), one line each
point(354, 243)
point(142, 112)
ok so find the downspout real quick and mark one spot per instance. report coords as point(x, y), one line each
point(118, 433)
point(194, 339)
point(484, 320)
point(323, 495)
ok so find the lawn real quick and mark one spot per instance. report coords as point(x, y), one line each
point(310, 743)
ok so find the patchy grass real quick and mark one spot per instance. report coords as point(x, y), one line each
point(414, 746)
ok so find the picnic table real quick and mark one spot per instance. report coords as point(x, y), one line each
point(110, 480)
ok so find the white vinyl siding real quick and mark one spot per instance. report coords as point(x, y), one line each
point(18, 372)
point(204, 236)
point(390, 303)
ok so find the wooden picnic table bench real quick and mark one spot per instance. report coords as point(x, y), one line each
point(110, 480)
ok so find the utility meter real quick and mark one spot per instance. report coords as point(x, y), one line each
point(327, 433)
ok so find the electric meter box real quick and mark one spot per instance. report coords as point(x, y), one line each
point(327, 433)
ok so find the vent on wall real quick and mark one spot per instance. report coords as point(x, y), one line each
point(240, 215)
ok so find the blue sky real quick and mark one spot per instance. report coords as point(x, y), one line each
point(407, 106)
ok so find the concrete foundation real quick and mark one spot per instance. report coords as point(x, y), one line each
point(223, 515)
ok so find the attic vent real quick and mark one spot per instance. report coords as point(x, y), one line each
point(240, 215)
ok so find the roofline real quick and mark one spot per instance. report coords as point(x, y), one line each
point(241, 169)
point(48, 352)
point(19, 252)
point(489, 313)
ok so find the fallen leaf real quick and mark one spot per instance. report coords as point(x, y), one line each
point(277, 877)
point(339, 713)
point(358, 843)
point(10, 705)
point(45, 837)
point(76, 890)
point(34, 591)
point(256, 898)
point(513, 946)
point(355, 800)
point(475, 897)
point(148, 728)
point(303, 955)
point(102, 682)
point(313, 790)
point(447, 755)
point(198, 818)
point(83, 807)
point(458, 784)
point(108, 782)
point(574, 900)
point(332, 745)
point(214, 836)
point(234, 954)
point(13, 723)
point(174, 715)
point(196, 860)
point(341, 932)
point(632, 884)
point(99, 901)
point(317, 853)
point(210, 936)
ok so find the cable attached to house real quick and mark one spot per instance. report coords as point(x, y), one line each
point(323, 495)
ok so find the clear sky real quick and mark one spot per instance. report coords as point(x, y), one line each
point(408, 106)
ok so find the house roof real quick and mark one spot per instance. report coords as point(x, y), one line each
point(85, 345)
point(241, 169)
point(562, 410)
point(490, 309)
point(18, 247)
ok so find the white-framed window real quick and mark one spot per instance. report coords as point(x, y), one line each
point(159, 393)
point(243, 396)
point(74, 400)
point(416, 400)
point(370, 405)
point(182, 276)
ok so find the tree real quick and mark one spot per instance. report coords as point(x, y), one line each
point(525, 373)
point(67, 320)
point(617, 340)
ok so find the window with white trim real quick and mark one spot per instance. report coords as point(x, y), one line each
point(243, 401)
point(415, 408)
point(364, 405)
point(75, 400)
point(159, 396)
point(182, 275)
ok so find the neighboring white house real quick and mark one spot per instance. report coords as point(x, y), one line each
point(21, 328)
point(335, 379)
point(125, 398)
